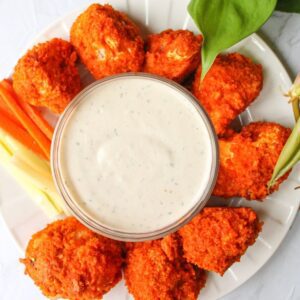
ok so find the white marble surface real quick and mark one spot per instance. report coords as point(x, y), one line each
point(20, 21)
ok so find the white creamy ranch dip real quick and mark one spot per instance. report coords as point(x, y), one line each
point(135, 155)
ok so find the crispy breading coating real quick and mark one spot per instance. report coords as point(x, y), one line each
point(107, 41)
point(67, 260)
point(247, 161)
point(173, 54)
point(155, 270)
point(219, 236)
point(47, 75)
point(229, 87)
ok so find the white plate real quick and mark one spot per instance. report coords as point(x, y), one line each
point(23, 217)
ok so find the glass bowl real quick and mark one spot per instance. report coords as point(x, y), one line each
point(99, 226)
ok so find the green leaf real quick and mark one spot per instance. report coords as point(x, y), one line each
point(296, 108)
point(294, 95)
point(288, 6)
point(289, 155)
point(224, 23)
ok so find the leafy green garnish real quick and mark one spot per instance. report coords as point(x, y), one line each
point(294, 95)
point(288, 6)
point(224, 23)
point(290, 154)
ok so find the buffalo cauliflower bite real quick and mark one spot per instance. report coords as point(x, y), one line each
point(107, 41)
point(247, 161)
point(155, 270)
point(229, 87)
point(173, 54)
point(219, 236)
point(47, 75)
point(67, 260)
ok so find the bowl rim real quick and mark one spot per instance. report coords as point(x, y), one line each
point(98, 227)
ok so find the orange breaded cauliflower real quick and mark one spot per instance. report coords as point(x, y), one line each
point(229, 87)
point(67, 260)
point(155, 270)
point(173, 54)
point(47, 75)
point(107, 41)
point(247, 161)
point(219, 236)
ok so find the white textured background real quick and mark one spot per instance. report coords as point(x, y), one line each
point(20, 21)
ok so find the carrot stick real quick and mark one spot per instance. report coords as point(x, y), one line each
point(37, 118)
point(8, 112)
point(33, 113)
point(19, 133)
point(29, 125)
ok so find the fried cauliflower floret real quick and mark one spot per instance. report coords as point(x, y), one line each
point(247, 161)
point(107, 41)
point(232, 83)
point(67, 260)
point(219, 236)
point(47, 75)
point(173, 54)
point(155, 270)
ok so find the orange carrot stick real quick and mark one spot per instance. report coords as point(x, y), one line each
point(11, 101)
point(9, 113)
point(32, 112)
point(20, 134)
point(37, 118)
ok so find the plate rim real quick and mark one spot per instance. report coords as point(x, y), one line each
point(256, 36)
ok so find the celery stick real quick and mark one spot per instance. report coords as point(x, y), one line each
point(39, 186)
point(25, 154)
point(43, 182)
point(44, 178)
point(35, 193)
point(41, 199)
point(42, 191)
point(5, 152)
point(57, 201)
